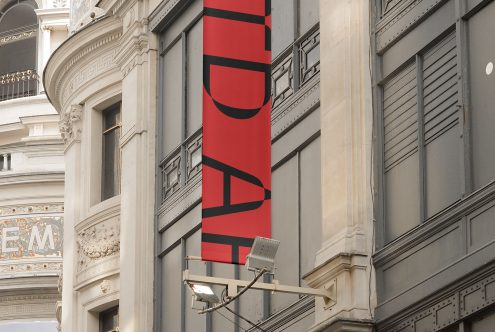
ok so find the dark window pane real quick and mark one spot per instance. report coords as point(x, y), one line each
point(441, 124)
point(172, 98)
point(111, 117)
point(17, 17)
point(482, 81)
point(109, 320)
point(309, 15)
point(195, 78)
point(110, 184)
point(282, 25)
point(400, 120)
point(18, 56)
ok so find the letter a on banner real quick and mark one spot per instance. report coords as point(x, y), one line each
point(236, 127)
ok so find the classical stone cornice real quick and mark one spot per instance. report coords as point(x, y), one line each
point(320, 275)
point(134, 45)
point(166, 9)
point(83, 58)
point(12, 178)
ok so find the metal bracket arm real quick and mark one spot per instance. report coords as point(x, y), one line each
point(328, 295)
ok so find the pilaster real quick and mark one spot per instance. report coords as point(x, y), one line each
point(70, 127)
point(136, 58)
point(346, 128)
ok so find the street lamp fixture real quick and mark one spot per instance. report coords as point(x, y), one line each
point(262, 255)
point(204, 293)
point(261, 259)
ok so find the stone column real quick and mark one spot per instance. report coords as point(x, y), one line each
point(46, 35)
point(5, 162)
point(136, 57)
point(346, 128)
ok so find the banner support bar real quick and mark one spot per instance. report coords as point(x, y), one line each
point(328, 294)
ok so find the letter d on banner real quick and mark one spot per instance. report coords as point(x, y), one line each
point(236, 128)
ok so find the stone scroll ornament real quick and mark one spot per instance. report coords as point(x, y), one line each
point(236, 128)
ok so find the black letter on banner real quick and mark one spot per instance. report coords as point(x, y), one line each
point(233, 241)
point(227, 207)
point(231, 111)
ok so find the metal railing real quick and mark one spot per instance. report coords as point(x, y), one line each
point(19, 84)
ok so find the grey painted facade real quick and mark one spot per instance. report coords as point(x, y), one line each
point(434, 203)
point(295, 163)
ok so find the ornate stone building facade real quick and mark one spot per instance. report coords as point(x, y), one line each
point(31, 167)
point(382, 167)
point(125, 82)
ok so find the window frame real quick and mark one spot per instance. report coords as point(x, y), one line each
point(117, 127)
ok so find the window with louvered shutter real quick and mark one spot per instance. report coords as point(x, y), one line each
point(422, 139)
point(441, 126)
point(400, 119)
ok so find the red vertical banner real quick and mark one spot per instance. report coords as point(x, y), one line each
point(236, 128)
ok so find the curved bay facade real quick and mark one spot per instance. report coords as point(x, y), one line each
point(31, 168)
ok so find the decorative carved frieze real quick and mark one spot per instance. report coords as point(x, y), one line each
point(98, 242)
point(88, 73)
point(30, 209)
point(31, 268)
point(70, 124)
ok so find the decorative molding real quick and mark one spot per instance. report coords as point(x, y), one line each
point(87, 74)
point(284, 318)
point(183, 201)
point(193, 156)
point(164, 10)
point(83, 58)
point(105, 286)
point(171, 176)
point(58, 315)
point(98, 235)
point(309, 57)
point(15, 269)
point(94, 46)
point(295, 108)
point(70, 125)
point(10, 210)
point(433, 226)
point(282, 81)
point(466, 297)
point(17, 37)
point(400, 18)
point(28, 306)
point(59, 3)
point(97, 242)
point(103, 268)
point(133, 51)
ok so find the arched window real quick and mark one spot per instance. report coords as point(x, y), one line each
point(18, 32)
